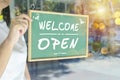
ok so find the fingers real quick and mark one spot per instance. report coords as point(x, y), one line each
point(18, 27)
point(25, 17)
point(21, 23)
point(22, 26)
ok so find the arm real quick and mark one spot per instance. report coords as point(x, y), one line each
point(5, 52)
point(27, 74)
point(7, 46)
point(16, 30)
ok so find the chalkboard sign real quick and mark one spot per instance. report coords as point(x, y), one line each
point(54, 36)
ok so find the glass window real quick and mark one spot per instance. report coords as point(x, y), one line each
point(55, 6)
point(35, 4)
point(20, 7)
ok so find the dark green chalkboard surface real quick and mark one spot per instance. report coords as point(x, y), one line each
point(54, 36)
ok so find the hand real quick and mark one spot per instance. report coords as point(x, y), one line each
point(18, 27)
point(4, 4)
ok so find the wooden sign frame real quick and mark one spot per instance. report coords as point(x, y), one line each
point(30, 59)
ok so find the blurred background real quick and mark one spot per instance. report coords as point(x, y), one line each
point(104, 29)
